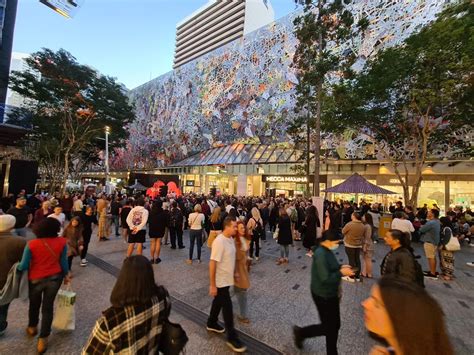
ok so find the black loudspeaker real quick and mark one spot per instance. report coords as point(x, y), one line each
point(23, 175)
point(272, 192)
point(163, 191)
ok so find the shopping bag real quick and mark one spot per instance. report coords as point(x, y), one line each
point(64, 317)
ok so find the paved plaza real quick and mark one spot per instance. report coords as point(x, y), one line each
point(279, 298)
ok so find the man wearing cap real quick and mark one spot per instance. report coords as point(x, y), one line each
point(11, 251)
point(22, 215)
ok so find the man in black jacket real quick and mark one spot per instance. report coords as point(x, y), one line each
point(176, 226)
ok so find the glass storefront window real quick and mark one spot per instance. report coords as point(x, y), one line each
point(461, 193)
point(432, 192)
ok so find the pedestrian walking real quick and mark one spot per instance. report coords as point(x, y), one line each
point(136, 221)
point(22, 215)
point(375, 214)
point(88, 219)
point(75, 239)
point(11, 251)
point(134, 322)
point(43, 212)
point(242, 282)
point(176, 226)
point(124, 211)
point(158, 221)
point(115, 212)
point(310, 225)
point(367, 245)
point(221, 275)
point(166, 236)
point(256, 231)
point(399, 261)
point(353, 233)
point(446, 257)
point(102, 213)
point(45, 258)
point(407, 318)
point(196, 222)
point(325, 282)
point(285, 238)
point(215, 223)
point(60, 217)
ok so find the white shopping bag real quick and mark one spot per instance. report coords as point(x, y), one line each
point(64, 317)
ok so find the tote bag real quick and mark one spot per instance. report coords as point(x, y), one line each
point(65, 317)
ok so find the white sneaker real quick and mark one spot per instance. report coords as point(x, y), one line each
point(84, 262)
point(348, 279)
point(471, 244)
point(471, 264)
point(309, 254)
point(257, 258)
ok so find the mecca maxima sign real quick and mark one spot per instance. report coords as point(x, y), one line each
point(277, 178)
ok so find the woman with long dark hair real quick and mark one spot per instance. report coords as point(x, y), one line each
point(75, 240)
point(406, 319)
point(285, 238)
point(367, 246)
point(242, 283)
point(133, 324)
point(311, 225)
point(399, 261)
point(446, 257)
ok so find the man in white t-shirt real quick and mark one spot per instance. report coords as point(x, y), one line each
point(401, 223)
point(60, 216)
point(221, 275)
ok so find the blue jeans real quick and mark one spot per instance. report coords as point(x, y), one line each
point(284, 251)
point(116, 221)
point(195, 237)
point(241, 294)
point(3, 316)
point(21, 232)
point(42, 295)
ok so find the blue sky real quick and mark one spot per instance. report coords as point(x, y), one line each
point(132, 40)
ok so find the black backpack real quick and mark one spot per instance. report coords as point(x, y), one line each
point(175, 217)
point(258, 230)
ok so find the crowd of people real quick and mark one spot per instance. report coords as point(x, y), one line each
point(232, 227)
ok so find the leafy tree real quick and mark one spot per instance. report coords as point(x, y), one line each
point(69, 106)
point(323, 26)
point(414, 101)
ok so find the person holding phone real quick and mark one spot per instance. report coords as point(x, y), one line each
point(326, 276)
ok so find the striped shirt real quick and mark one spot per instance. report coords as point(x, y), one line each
point(129, 330)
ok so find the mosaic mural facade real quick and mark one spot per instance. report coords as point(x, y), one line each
point(245, 90)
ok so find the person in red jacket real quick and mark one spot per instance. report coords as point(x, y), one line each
point(45, 258)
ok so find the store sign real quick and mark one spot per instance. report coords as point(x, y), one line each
point(297, 179)
point(189, 182)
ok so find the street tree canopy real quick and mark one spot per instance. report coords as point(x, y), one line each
point(68, 107)
point(415, 101)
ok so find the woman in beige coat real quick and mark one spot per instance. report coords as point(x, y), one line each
point(241, 282)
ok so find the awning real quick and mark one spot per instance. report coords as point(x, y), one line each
point(356, 184)
point(240, 153)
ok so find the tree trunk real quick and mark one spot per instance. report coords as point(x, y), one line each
point(308, 148)
point(65, 172)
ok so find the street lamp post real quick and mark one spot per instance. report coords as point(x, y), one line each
point(107, 131)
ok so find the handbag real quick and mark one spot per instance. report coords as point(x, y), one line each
point(65, 316)
point(453, 244)
point(276, 232)
point(173, 338)
point(212, 236)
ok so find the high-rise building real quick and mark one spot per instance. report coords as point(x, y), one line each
point(217, 23)
point(17, 63)
point(7, 26)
